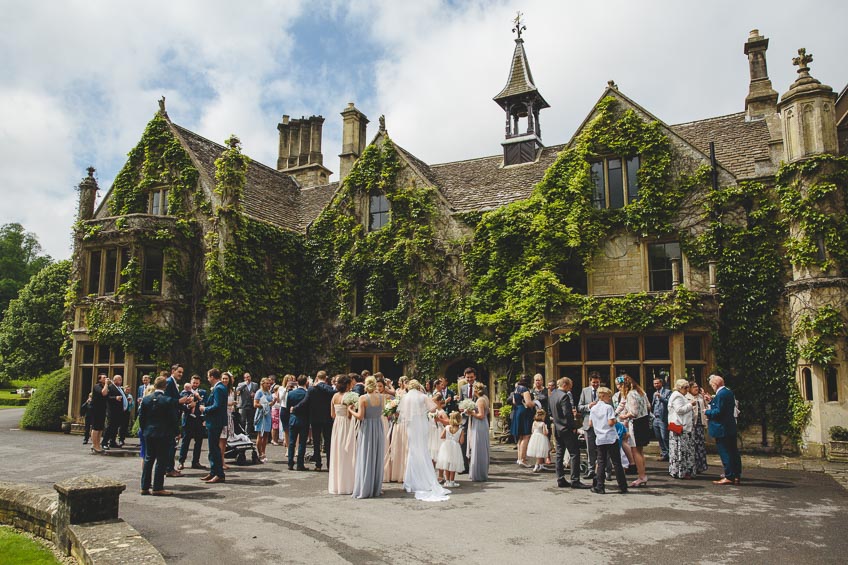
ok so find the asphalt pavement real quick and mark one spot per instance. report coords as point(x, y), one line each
point(268, 514)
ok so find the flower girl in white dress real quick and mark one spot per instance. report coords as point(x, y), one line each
point(539, 446)
point(449, 460)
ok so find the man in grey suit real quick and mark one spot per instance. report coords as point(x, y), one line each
point(588, 398)
point(563, 415)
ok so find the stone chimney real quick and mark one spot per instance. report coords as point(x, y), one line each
point(88, 192)
point(354, 124)
point(762, 98)
point(300, 150)
point(808, 114)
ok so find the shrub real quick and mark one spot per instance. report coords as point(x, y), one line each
point(838, 433)
point(49, 403)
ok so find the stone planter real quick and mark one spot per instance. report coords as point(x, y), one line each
point(66, 427)
point(838, 451)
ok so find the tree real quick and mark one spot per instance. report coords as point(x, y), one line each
point(20, 259)
point(31, 331)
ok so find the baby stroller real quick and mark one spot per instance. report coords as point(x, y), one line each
point(239, 446)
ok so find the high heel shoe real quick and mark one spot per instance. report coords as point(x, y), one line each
point(96, 451)
point(639, 483)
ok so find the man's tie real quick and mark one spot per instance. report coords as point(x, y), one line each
point(594, 392)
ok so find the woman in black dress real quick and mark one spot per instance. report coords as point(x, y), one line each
point(98, 412)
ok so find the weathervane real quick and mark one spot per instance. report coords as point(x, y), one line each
point(801, 61)
point(519, 26)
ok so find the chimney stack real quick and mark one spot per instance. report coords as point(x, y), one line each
point(300, 150)
point(354, 125)
point(762, 98)
point(88, 192)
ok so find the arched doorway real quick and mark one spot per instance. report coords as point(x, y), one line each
point(454, 370)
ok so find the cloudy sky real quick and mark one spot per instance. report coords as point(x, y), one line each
point(79, 79)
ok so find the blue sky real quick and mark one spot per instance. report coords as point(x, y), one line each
point(79, 79)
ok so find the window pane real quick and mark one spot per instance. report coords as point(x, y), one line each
point(152, 274)
point(696, 373)
point(103, 355)
point(94, 272)
point(632, 370)
point(110, 271)
point(390, 298)
point(575, 373)
point(807, 378)
point(597, 349)
point(118, 356)
point(570, 350)
point(379, 211)
point(659, 262)
point(632, 165)
point(657, 372)
point(87, 377)
point(154, 202)
point(692, 346)
point(616, 183)
point(88, 354)
point(599, 199)
point(627, 348)
point(164, 205)
point(656, 347)
point(830, 373)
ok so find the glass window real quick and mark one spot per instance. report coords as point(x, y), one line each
point(807, 380)
point(632, 165)
point(103, 355)
point(94, 259)
point(659, 263)
point(575, 373)
point(110, 271)
point(832, 383)
point(616, 183)
point(597, 349)
point(151, 277)
point(159, 202)
point(692, 346)
point(378, 210)
point(570, 350)
point(627, 348)
point(657, 347)
point(390, 298)
point(599, 199)
point(359, 364)
point(88, 354)
point(390, 368)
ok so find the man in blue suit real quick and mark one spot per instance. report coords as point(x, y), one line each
point(298, 424)
point(215, 412)
point(157, 418)
point(722, 427)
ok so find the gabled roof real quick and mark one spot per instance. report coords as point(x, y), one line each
point(520, 80)
point(313, 200)
point(738, 143)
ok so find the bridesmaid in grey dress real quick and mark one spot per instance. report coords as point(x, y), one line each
point(478, 436)
point(371, 444)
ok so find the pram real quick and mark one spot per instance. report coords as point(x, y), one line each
point(239, 446)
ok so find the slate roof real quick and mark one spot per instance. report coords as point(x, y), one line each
point(313, 200)
point(484, 184)
point(738, 143)
point(520, 80)
point(269, 195)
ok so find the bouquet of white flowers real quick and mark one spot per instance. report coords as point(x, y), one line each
point(390, 410)
point(350, 398)
point(467, 405)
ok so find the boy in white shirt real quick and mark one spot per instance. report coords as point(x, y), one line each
point(602, 419)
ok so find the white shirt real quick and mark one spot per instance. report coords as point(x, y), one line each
point(600, 414)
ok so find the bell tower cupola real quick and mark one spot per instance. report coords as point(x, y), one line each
point(521, 101)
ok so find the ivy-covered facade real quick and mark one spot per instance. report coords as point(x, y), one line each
point(641, 247)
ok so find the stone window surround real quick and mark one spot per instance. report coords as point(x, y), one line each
point(157, 204)
point(604, 161)
point(370, 215)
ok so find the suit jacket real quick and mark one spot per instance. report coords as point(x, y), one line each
point(295, 397)
point(316, 404)
point(721, 414)
point(198, 416)
point(157, 416)
point(560, 406)
point(172, 389)
point(115, 407)
point(245, 394)
point(466, 392)
point(359, 389)
point(140, 393)
point(450, 401)
point(216, 407)
point(583, 405)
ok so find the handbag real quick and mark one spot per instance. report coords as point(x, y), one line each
point(676, 428)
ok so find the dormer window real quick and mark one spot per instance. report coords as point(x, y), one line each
point(158, 203)
point(614, 182)
point(378, 211)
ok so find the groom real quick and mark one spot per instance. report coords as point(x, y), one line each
point(722, 427)
point(470, 375)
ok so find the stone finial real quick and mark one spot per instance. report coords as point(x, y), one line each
point(382, 123)
point(519, 25)
point(162, 106)
point(611, 84)
point(90, 170)
point(801, 62)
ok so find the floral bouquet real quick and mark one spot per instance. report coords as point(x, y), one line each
point(390, 410)
point(467, 405)
point(350, 398)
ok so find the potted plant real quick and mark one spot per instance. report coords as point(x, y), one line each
point(838, 444)
point(66, 424)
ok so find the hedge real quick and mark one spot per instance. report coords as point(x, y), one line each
point(49, 403)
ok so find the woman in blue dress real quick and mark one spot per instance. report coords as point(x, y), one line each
point(371, 443)
point(523, 410)
point(262, 402)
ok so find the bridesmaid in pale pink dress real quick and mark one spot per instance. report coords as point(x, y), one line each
point(398, 449)
point(343, 442)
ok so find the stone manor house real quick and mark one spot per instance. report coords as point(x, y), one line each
point(151, 278)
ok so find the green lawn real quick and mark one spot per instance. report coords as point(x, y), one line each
point(6, 396)
point(21, 550)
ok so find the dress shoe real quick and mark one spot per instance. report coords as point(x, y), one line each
point(162, 493)
point(578, 484)
point(120, 445)
point(197, 466)
point(145, 492)
point(104, 446)
point(215, 479)
point(85, 442)
point(317, 469)
point(622, 490)
point(589, 475)
point(737, 482)
point(115, 445)
point(562, 483)
point(207, 477)
point(291, 467)
point(724, 481)
point(180, 467)
point(301, 468)
point(599, 490)
point(174, 473)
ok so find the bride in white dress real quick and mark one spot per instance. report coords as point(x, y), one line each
point(420, 477)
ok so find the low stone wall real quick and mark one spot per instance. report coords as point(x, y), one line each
point(80, 516)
